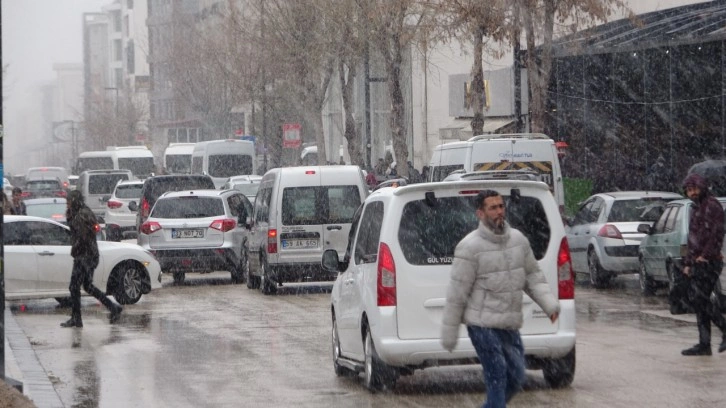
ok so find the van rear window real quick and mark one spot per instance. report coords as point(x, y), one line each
point(228, 165)
point(319, 205)
point(104, 183)
point(428, 235)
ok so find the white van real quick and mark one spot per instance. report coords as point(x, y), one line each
point(138, 159)
point(97, 187)
point(309, 156)
point(528, 151)
point(178, 158)
point(300, 212)
point(222, 159)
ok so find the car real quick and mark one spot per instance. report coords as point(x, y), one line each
point(603, 234)
point(199, 231)
point(53, 208)
point(155, 186)
point(661, 251)
point(246, 184)
point(46, 172)
point(388, 299)
point(38, 263)
point(36, 188)
point(72, 182)
point(120, 220)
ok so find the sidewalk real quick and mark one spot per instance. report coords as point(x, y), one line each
point(21, 364)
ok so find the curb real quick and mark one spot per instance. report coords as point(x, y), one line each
point(36, 384)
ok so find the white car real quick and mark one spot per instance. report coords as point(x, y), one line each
point(120, 220)
point(388, 299)
point(38, 263)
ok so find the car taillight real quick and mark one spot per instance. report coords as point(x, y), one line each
point(61, 194)
point(272, 241)
point(565, 276)
point(113, 204)
point(223, 225)
point(65, 184)
point(25, 194)
point(386, 277)
point(150, 227)
point(609, 231)
point(96, 228)
point(145, 208)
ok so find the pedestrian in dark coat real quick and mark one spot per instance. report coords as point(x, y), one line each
point(17, 205)
point(703, 261)
point(84, 251)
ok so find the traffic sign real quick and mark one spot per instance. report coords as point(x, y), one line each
point(291, 135)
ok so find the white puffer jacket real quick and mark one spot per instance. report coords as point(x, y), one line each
point(488, 275)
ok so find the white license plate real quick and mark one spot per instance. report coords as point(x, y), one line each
point(187, 233)
point(299, 243)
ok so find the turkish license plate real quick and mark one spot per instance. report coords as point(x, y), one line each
point(299, 243)
point(187, 233)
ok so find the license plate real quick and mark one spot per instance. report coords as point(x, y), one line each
point(299, 243)
point(187, 233)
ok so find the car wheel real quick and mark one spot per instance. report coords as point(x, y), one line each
point(239, 272)
point(178, 278)
point(560, 372)
point(598, 276)
point(253, 282)
point(268, 287)
point(129, 278)
point(378, 376)
point(64, 301)
point(340, 371)
point(647, 284)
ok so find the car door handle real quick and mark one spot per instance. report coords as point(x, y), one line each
point(335, 227)
point(46, 253)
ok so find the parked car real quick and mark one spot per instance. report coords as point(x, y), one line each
point(603, 234)
point(199, 231)
point(662, 249)
point(38, 263)
point(155, 186)
point(388, 299)
point(247, 185)
point(38, 188)
point(120, 220)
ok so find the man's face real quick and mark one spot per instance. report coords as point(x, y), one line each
point(16, 198)
point(491, 213)
point(693, 192)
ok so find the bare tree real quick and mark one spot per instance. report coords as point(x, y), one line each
point(114, 123)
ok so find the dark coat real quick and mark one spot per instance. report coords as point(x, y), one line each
point(706, 229)
point(18, 210)
point(82, 223)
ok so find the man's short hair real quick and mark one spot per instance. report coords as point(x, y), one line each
point(483, 195)
point(17, 190)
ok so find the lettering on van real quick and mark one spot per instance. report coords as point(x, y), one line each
point(440, 260)
point(544, 168)
point(510, 156)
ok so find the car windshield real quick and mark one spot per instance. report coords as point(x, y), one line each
point(40, 185)
point(188, 207)
point(179, 163)
point(248, 189)
point(159, 186)
point(640, 209)
point(128, 190)
point(228, 165)
point(139, 166)
point(319, 205)
point(429, 230)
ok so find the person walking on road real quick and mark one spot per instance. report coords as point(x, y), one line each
point(17, 206)
point(703, 262)
point(84, 251)
point(494, 263)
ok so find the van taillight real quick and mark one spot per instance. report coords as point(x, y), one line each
point(223, 225)
point(272, 241)
point(145, 208)
point(113, 204)
point(565, 276)
point(386, 277)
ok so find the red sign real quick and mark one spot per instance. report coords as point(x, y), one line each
point(291, 135)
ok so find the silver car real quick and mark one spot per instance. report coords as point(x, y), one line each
point(199, 231)
point(604, 237)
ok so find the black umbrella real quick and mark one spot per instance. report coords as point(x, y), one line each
point(715, 173)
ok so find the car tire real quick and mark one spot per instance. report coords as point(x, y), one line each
point(253, 282)
point(560, 372)
point(129, 281)
point(178, 278)
point(64, 301)
point(239, 272)
point(378, 376)
point(266, 285)
point(340, 371)
point(647, 284)
point(599, 277)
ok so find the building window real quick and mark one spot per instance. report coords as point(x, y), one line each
point(130, 4)
point(117, 50)
point(130, 57)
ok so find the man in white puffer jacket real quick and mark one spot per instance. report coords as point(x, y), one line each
point(492, 267)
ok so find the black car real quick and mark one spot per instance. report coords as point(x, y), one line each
point(155, 186)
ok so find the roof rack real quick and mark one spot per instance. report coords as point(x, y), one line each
point(509, 136)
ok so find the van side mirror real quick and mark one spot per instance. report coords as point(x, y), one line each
point(645, 229)
point(330, 261)
point(133, 206)
point(105, 198)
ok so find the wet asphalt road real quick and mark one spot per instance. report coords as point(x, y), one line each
point(209, 343)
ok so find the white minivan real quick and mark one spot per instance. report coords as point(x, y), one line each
point(222, 159)
point(138, 159)
point(300, 212)
point(517, 151)
point(178, 158)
